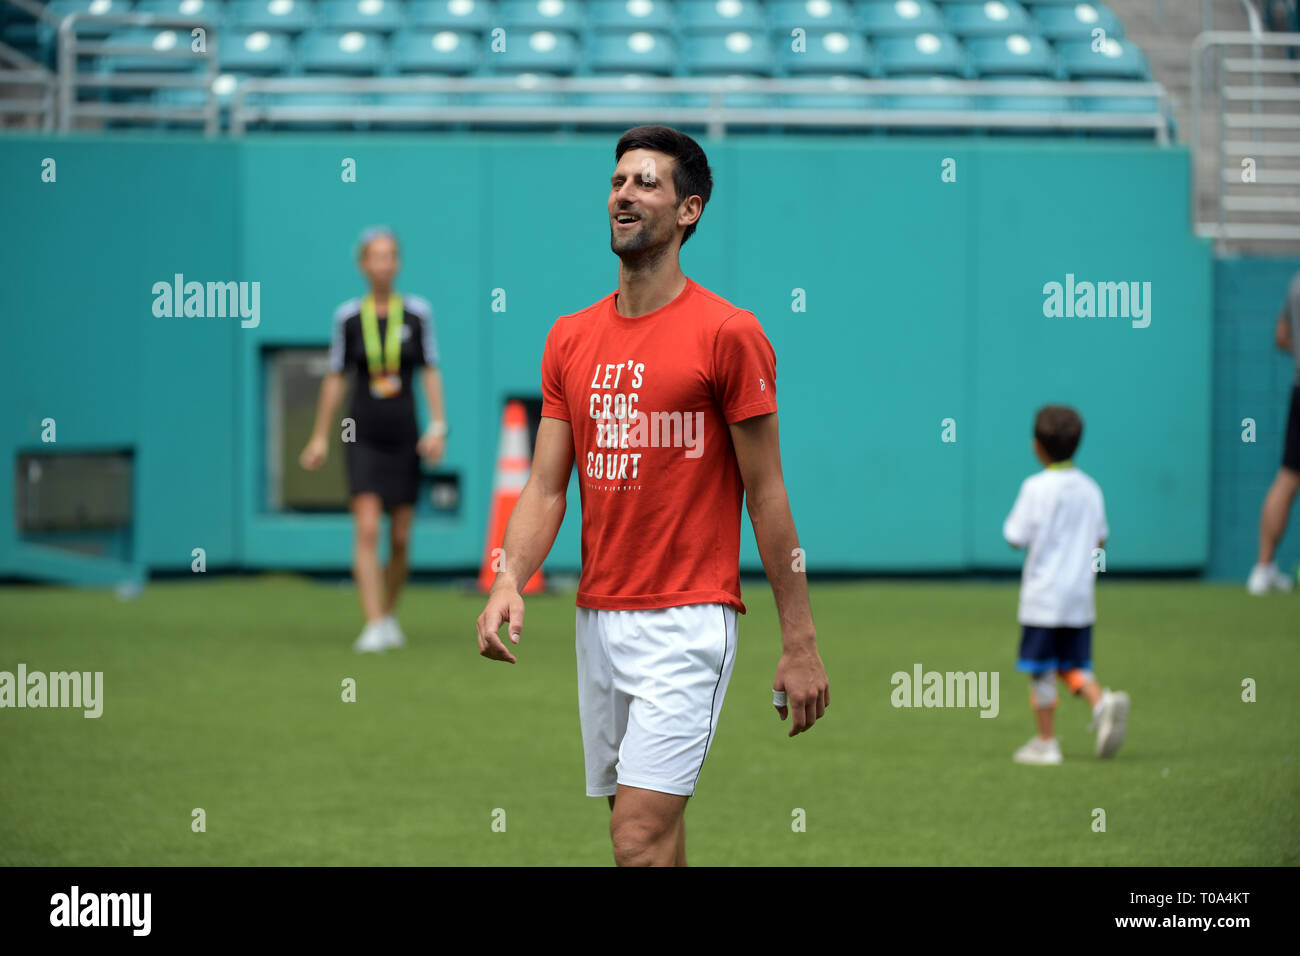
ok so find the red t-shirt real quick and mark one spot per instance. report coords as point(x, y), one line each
point(649, 400)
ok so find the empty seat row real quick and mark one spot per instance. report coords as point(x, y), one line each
point(968, 18)
point(646, 52)
point(938, 97)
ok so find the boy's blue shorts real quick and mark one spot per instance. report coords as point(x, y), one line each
point(1044, 649)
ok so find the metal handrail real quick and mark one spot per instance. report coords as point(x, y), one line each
point(717, 115)
point(1226, 121)
point(70, 79)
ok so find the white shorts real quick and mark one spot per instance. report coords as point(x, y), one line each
point(650, 690)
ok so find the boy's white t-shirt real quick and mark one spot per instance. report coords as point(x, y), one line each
point(1060, 517)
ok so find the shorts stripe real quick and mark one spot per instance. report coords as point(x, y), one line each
point(726, 646)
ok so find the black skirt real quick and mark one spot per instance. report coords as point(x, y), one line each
point(390, 471)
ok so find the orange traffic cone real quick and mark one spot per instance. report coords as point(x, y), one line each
point(513, 461)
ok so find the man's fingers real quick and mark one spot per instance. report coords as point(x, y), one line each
point(489, 622)
point(516, 618)
point(496, 650)
point(799, 712)
point(499, 651)
point(489, 644)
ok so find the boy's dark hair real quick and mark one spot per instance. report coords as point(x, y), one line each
point(691, 173)
point(1058, 429)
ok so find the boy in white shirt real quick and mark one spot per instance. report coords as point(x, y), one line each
point(1060, 517)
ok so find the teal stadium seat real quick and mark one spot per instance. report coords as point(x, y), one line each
point(630, 15)
point(442, 52)
point(1015, 55)
point(224, 86)
point(342, 51)
point(1018, 59)
point(88, 28)
point(926, 54)
point(821, 15)
point(537, 51)
point(1117, 60)
point(888, 18)
point(1076, 22)
point(279, 16)
point(740, 52)
point(155, 38)
point(556, 15)
point(632, 51)
point(214, 11)
point(937, 58)
point(449, 52)
point(461, 15)
point(254, 52)
point(990, 18)
point(719, 16)
point(829, 52)
point(837, 56)
point(370, 16)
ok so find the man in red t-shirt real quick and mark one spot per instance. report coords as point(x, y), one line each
point(664, 395)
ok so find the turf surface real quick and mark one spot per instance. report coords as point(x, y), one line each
point(226, 695)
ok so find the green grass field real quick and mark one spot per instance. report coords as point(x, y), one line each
point(226, 695)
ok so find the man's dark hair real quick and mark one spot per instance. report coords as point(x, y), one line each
point(691, 173)
point(1058, 429)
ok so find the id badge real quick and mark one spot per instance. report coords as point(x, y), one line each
point(385, 386)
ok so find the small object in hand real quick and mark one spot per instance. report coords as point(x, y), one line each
point(778, 698)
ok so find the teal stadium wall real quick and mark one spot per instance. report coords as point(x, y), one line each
point(1252, 379)
point(924, 302)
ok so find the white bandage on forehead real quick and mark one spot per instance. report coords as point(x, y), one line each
point(1043, 687)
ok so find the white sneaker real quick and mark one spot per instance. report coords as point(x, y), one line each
point(1039, 752)
point(1267, 577)
point(373, 639)
point(393, 635)
point(1281, 582)
point(1111, 722)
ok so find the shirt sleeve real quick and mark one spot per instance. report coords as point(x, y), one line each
point(553, 403)
point(338, 340)
point(1103, 529)
point(744, 369)
point(1018, 529)
point(428, 341)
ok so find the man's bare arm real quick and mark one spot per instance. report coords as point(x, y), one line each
point(1282, 332)
point(529, 535)
point(800, 673)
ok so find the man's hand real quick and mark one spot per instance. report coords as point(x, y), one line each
point(801, 676)
point(503, 604)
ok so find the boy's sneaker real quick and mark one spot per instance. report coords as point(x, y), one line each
point(1039, 752)
point(1111, 722)
point(1265, 578)
point(373, 639)
point(392, 632)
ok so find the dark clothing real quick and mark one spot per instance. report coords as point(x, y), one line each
point(382, 459)
point(1060, 649)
